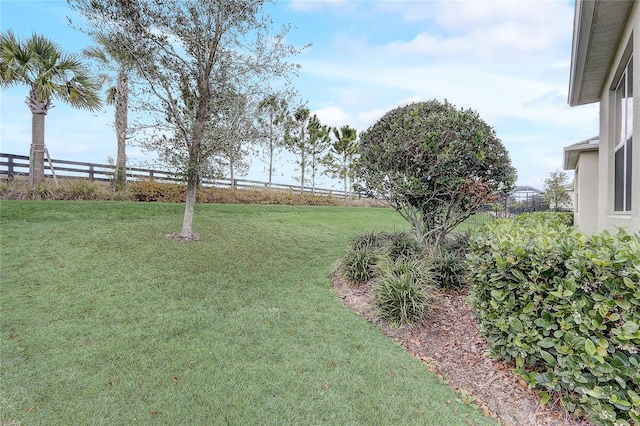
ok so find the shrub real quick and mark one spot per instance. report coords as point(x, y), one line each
point(402, 245)
point(449, 269)
point(403, 291)
point(435, 164)
point(84, 190)
point(357, 265)
point(448, 263)
point(151, 190)
point(565, 308)
point(391, 244)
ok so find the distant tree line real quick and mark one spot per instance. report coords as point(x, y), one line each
point(205, 84)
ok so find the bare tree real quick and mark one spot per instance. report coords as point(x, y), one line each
point(190, 54)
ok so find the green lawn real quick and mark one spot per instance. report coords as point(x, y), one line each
point(105, 321)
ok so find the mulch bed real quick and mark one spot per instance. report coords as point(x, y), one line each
point(450, 343)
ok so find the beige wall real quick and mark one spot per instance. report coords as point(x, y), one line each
point(607, 218)
point(586, 192)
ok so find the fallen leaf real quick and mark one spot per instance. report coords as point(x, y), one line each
point(175, 379)
point(32, 409)
point(325, 386)
point(154, 412)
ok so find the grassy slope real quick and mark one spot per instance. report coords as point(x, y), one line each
point(104, 321)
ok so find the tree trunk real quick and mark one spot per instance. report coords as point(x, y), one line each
point(39, 110)
point(270, 147)
point(36, 158)
point(122, 95)
point(231, 174)
point(189, 206)
point(346, 175)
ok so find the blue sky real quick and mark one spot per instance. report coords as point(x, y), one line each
point(507, 59)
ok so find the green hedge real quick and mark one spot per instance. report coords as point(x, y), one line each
point(565, 308)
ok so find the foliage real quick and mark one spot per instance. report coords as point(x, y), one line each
point(566, 309)
point(448, 261)
point(296, 140)
point(272, 121)
point(155, 191)
point(110, 60)
point(236, 122)
point(193, 57)
point(435, 164)
point(341, 158)
point(357, 265)
point(49, 73)
point(394, 262)
point(550, 220)
point(318, 143)
point(403, 291)
point(556, 194)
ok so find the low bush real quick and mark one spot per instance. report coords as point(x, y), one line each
point(448, 262)
point(565, 308)
point(396, 265)
point(150, 190)
point(156, 191)
point(403, 291)
point(357, 265)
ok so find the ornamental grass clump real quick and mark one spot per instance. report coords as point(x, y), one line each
point(403, 291)
point(448, 261)
point(565, 309)
point(357, 266)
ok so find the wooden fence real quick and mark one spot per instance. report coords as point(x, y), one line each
point(12, 165)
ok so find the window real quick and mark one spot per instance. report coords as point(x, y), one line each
point(623, 141)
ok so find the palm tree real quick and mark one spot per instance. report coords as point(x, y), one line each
point(49, 73)
point(297, 141)
point(340, 159)
point(108, 56)
point(275, 109)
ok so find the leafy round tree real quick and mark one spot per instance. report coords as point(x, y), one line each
point(435, 164)
point(555, 192)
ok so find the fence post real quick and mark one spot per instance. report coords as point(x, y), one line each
point(10, 164)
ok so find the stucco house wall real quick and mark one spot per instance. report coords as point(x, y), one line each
point(606, 36)
point(583, 158)
point(586, 185)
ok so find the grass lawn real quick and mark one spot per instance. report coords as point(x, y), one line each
point(105, 321)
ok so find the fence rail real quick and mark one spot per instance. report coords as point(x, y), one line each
point(12, 165)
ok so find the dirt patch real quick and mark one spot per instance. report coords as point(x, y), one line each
point(451, 345)
point(176, 236)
